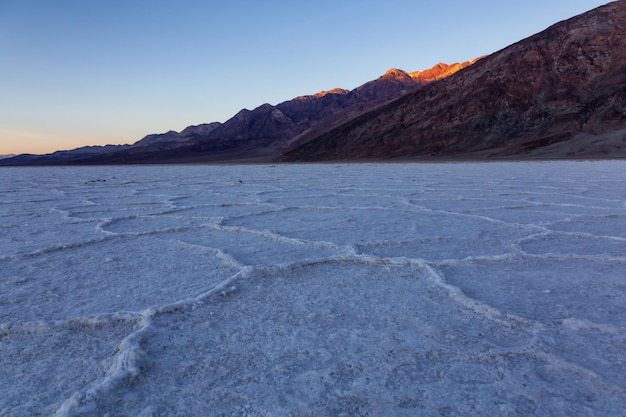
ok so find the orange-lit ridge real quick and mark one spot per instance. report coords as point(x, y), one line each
point(435, 73)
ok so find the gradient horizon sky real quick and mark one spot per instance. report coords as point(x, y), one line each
point(76, 73)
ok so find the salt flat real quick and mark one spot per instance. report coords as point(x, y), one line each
point(465, 289)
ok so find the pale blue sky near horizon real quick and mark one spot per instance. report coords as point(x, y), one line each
point(76, 73)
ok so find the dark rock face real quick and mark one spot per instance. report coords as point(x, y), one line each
point(558, 94)
point(270, 128)
point(172, 137)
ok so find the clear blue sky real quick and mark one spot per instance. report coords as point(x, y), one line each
point(82, 72)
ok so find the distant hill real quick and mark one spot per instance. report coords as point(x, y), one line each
point(558, 94)
point(61, 157)
point(258, 134)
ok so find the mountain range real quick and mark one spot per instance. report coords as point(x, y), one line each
point(558, 94)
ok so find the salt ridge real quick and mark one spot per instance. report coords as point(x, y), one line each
point(352, 228)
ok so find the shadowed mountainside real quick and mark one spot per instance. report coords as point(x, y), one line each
point(258, 134)
point(262, 133)
point(558, 94)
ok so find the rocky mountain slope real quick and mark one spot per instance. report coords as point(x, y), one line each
point(258, 134)
point(558, 94)
point(189, 134)
point(262, 133)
